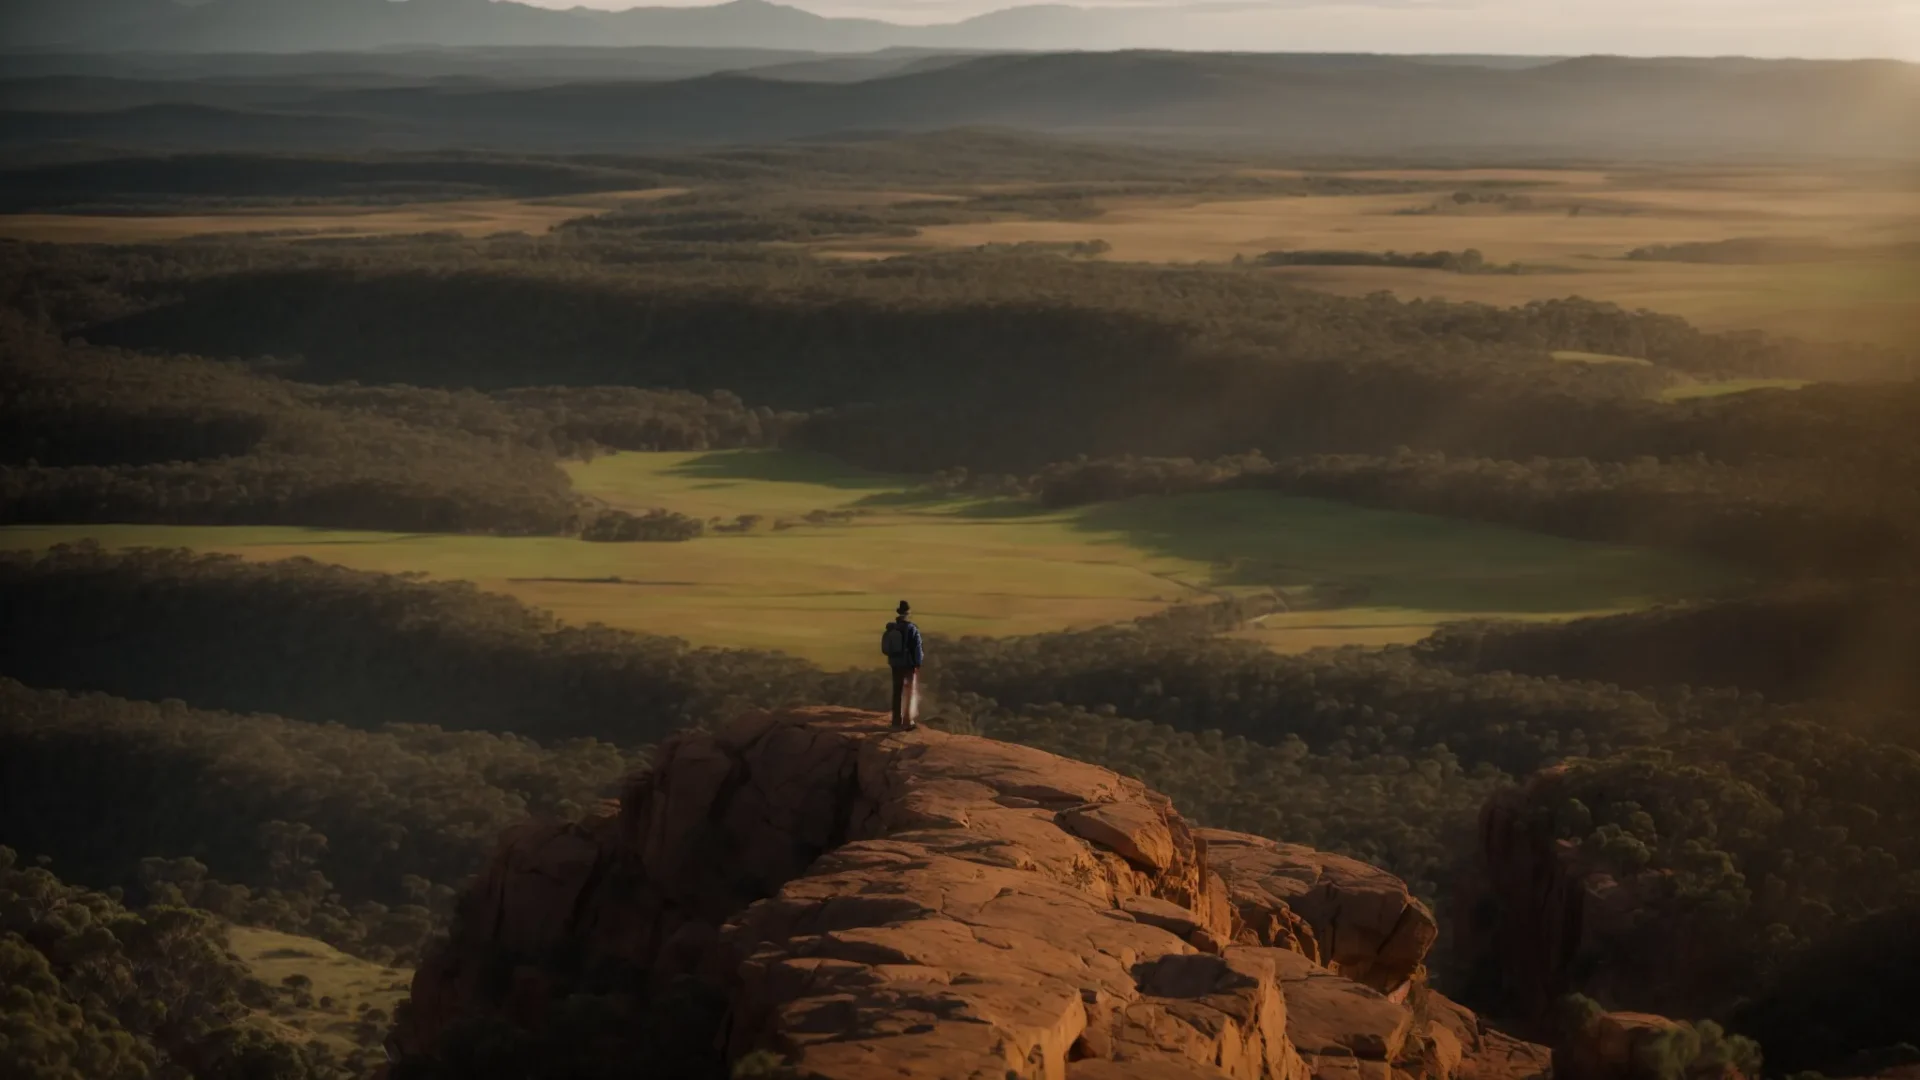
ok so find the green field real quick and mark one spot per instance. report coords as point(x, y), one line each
point(1723, 387)
point(822, 591)
point(1688, 388)
point(1573, 356)
point(347, 997)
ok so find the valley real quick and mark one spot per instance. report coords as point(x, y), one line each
point(815, 589)
point(1418, 556)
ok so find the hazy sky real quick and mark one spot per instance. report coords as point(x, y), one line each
point(1814, 28)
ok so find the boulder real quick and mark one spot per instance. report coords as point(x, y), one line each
point(1485, 1053)
point(1133, 830)
point(1189, 926)
point(877, 903)
point(1615, 1046)
point(1341, 1028)
point(1363, 922)
point(1223, 1012)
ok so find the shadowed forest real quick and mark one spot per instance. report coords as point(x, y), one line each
point(356, 506)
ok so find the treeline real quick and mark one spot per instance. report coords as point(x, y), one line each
point(214, 444)
point(682, 219)
point(1760, 250)
point(1464, 199)
point(1346, 702)
point(756, 216)
point(300, 638)
point(1469, 261)
point(206, 181)
point(174, 181)
point(618, 526)
point(989, 361)
point(96, 991)
point(1072, 249)
point(572, 421)
point(1852, 643)
point(579, 294)
point(958, 158)
point(98, 435)
point(355, 837)
point(587, 310)
point(1830, 513)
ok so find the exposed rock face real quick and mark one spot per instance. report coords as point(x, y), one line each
point(884, 904)
point(1485, 1053)
point(1360, 919)
point(1536, 907)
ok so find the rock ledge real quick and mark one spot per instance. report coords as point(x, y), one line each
point(885, 904)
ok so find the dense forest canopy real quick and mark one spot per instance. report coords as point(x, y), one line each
point(302, 638)
point(511, 351)
point(185, 181)
point(95, 991)
point(352, 836)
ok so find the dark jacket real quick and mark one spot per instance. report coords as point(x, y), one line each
point(914, 653)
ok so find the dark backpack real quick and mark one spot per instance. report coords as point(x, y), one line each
point(894, 641)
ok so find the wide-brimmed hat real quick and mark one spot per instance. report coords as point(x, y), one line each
point(904, 607)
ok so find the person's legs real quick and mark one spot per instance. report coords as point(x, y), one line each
point(900, 676)
point(910, 706)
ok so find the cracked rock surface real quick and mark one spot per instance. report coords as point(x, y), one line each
point(876, 903)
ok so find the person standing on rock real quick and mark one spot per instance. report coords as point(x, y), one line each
point(901, 644)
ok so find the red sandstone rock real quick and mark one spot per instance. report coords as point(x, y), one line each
point(1365, 924)
point(1613, 1048)
point(1485, 1053)
point(891, 904)
point(1548, 911)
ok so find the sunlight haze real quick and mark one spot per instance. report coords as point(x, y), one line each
point(1834, 29)
point(959, 540)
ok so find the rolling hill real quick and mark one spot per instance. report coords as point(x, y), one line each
point(1296, 103)
point(306, 26)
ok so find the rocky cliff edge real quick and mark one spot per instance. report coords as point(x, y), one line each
point(875, 903)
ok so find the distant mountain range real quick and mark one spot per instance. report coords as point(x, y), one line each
point(1362, 106)
point(326, 25)
point(495, 65)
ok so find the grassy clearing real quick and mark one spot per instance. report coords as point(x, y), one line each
point(1571, 356)
point(1375, 577)
point(1689, 390)
point(821, 591)
point(1581, 222)
point(347, 1002)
